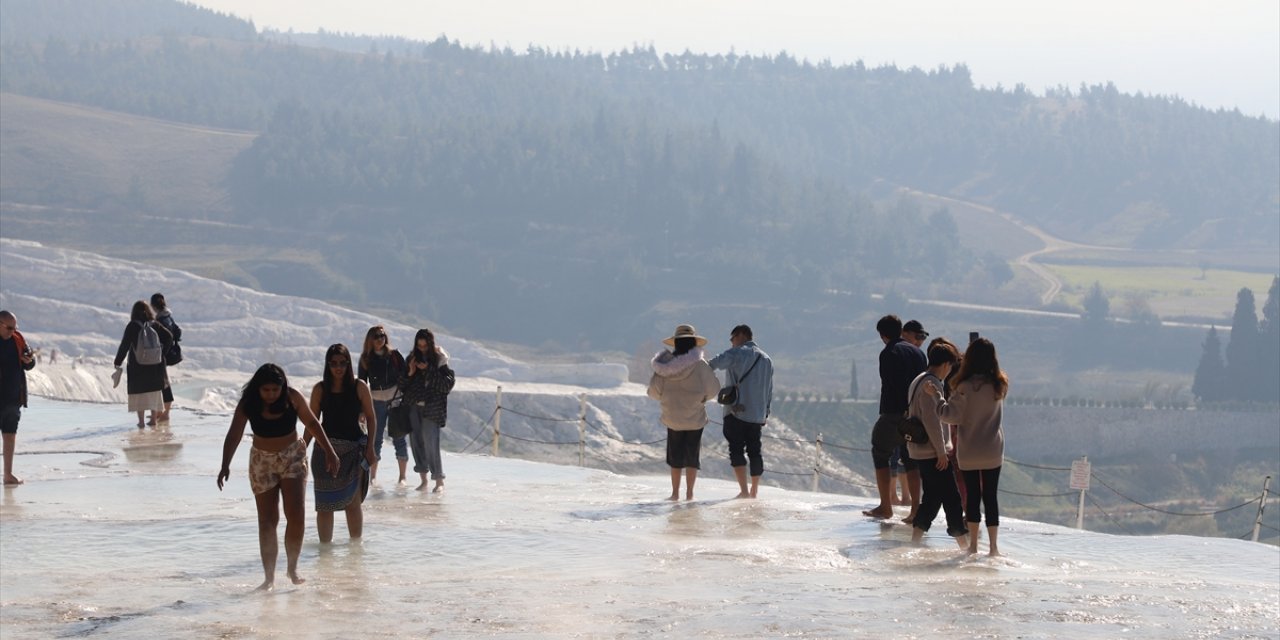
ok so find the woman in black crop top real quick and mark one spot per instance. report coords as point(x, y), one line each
point(340, 401)
point(277, 462)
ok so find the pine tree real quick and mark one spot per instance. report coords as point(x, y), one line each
point(853, 380)
point(1210, 381)
point(1242, 349)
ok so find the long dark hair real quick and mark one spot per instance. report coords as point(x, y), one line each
point(980, 360)
point(269, 373)
point(431, 357)
point(348, 377)
point(142, 312)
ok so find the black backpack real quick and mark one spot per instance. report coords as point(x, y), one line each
point(174, 354)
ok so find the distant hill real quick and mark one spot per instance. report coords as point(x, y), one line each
point(66, 155)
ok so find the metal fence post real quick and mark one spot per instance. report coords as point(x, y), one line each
point(1262, 504)
point(817, 462)
point(582, 430)
point(497, 421)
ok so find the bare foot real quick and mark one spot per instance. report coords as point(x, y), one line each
point(743, 495)
point(673, 497)
point(439, 488)
point(911, 517)
point(141, 425)
point(962, 542)
point(917, 535)
point(878, 513)
point(973, 549)
point(401, 483)
point(421, 487)
point(293, 576)
point(267, 585)
point(688, 496)
point(12, 480)
point(993, 553)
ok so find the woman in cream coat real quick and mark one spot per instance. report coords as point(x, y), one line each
point(683, 383)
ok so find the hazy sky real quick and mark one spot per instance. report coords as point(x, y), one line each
point(1216, 54)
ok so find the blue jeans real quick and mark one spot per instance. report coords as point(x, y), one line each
point(402, 447)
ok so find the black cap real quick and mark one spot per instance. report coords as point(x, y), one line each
point(914, 326)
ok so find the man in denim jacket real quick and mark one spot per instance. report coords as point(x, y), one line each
point(751, 369)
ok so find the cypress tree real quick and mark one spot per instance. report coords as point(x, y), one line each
point(1242, 349)
point(1210, 381)
point(1270, 351)
point(853, 380)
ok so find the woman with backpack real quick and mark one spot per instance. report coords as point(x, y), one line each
point(381, 367)
point(426, 384)
point(144, 343)
point(172, 355)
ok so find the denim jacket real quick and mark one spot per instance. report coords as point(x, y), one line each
point(755, 393)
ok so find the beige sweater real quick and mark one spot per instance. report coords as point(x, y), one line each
point(978, 415)
point(683, 384)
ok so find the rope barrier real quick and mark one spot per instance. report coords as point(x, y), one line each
point(543, 418)
point(559, 444)
point(788, 439)
point(1109, 516)
point(1166, 511)
point(1039, 495)
point(479, 433)
point(846, 448)
point(600, 428)
point(719, 448)
point(1036, 466)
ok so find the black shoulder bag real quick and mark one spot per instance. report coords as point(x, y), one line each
point(912, 427)
point(729, 394)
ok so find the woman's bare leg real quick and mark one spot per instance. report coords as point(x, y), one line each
point(690, 477)
point(268, 545)
point(324, 526)
point(675, 484)
point(294, 491)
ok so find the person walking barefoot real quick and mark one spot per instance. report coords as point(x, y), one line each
point(683, 383)
point(277, 463)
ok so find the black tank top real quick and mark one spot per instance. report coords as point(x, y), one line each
point(340, 414)
point(285, 424)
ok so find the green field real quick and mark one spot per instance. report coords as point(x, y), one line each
point(1171, 292)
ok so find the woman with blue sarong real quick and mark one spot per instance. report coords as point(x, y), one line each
point(339, 401)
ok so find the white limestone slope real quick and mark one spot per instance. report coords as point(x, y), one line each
point(78, 303)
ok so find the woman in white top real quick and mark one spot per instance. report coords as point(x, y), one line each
point(683, 383)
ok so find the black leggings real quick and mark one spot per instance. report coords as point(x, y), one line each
point(980, 490)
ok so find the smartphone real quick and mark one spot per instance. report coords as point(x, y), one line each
point(973, 337)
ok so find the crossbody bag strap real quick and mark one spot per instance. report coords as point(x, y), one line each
point(911, 395)
point(753, 366)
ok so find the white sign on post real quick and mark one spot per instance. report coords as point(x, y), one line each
point(1080, 472)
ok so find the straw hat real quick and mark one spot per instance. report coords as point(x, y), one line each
point(685, 331)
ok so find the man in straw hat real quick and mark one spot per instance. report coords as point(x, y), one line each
point(749, 369)
point(683, 383)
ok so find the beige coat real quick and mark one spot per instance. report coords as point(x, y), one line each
point(978, 415)
point(683, 384)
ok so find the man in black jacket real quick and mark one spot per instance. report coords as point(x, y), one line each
point(900, 363)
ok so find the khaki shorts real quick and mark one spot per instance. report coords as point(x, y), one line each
point(267, 468)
